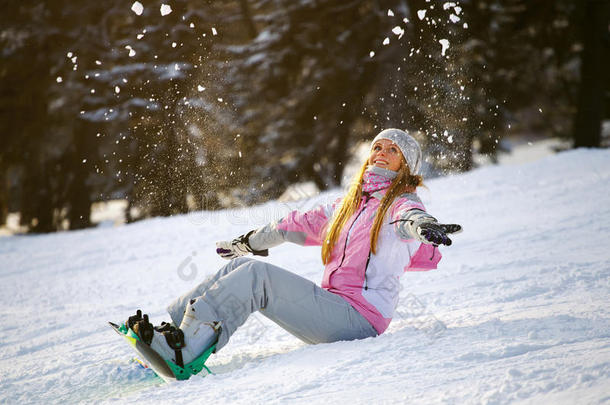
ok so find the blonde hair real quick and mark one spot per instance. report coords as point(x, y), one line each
point(403, 182)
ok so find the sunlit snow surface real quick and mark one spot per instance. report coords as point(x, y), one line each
point(524, 293)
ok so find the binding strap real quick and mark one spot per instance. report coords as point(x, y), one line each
point(175, 340)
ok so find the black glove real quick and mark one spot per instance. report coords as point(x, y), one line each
point(239, 246)
point(436, 234)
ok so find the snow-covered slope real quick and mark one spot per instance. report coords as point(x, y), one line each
point(524, 294)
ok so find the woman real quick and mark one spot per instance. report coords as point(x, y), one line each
point(369, 238)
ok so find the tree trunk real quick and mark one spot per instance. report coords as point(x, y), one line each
point(42, 200)
point(79, 192)
point(594, 74)
point(3, 199)
point(79, 200)
point(247, 16)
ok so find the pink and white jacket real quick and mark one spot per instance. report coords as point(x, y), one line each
point(369, 282)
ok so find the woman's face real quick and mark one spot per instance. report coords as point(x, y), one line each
point(385, 154)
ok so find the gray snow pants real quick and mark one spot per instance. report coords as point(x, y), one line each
point(245, 285)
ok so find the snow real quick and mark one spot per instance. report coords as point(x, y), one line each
point(109, 213)
point(444, 45)
point(517, 312)
point(454, 18)
point(165, 9)
point(525, 149)
point(398, 31)
point(421, 14)
point(132, 52)
point(137, 8)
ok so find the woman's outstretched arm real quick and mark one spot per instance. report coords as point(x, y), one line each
point(303, 228)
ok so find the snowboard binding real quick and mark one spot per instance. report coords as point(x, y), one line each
point(139, 332)
point(141, 326)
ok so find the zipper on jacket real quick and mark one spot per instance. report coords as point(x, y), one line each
point(368, 197)
point(366, 282)
point(433, 252)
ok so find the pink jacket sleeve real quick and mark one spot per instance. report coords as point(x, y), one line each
point(303, 228)
point(306, 228)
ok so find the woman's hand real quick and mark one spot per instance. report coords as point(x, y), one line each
point(239, 246)
point(231, 250)
point(436, 234)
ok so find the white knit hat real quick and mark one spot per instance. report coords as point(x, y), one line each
point(406, 143)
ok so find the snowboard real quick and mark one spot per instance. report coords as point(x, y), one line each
point(166, 369)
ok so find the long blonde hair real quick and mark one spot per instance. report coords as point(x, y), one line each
point(403, 182)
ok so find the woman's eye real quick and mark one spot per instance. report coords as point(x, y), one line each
point(394, 150)
point(377, 148)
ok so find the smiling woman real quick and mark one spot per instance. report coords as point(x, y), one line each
point(386, 154)
point(369, 239)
